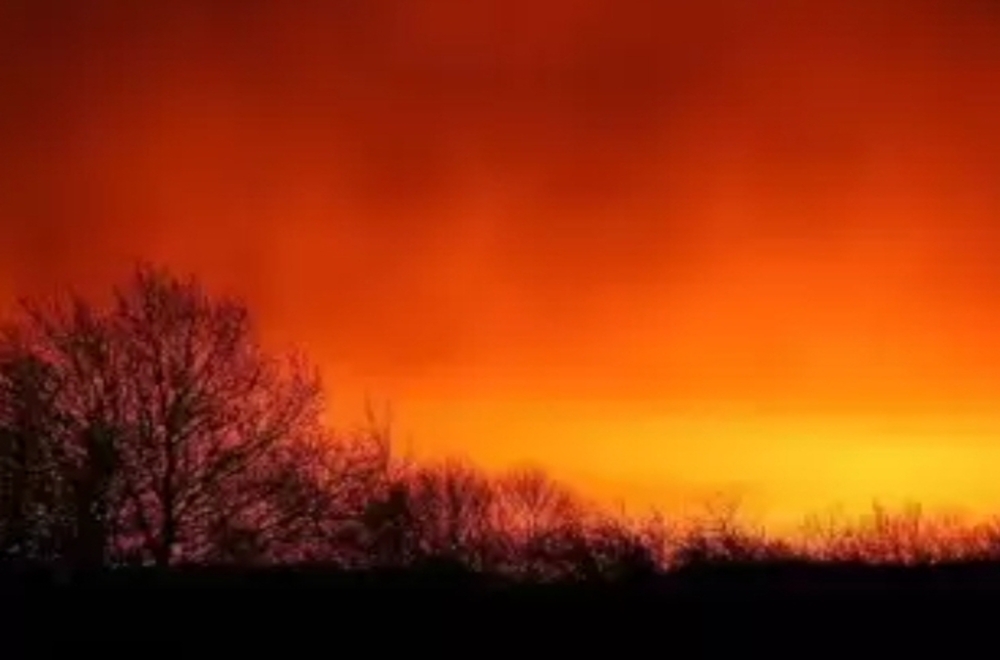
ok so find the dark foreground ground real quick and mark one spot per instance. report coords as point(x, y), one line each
point(800, 610)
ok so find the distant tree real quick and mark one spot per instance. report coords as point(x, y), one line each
point(905, 536)
point(615, 548)
point(532, 502)
point(427, 512)
point(452, 507)
point(320, 491)
point(542, 522)
point(157, 430)
point(552, 534)
point(720, 536)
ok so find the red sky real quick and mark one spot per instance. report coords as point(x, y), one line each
point(661, 248)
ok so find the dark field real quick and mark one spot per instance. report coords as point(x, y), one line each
point(801, 609)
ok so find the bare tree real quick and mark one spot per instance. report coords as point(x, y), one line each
point(720, 536)
point(56, 437)
point(451, 510)
point(33, 500)
point(542, 524)
point(174, 435)
point(532, 502)
point(905, 536)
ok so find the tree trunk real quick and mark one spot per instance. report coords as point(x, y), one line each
point(93, 508)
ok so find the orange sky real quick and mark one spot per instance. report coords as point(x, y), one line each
point(661, 248)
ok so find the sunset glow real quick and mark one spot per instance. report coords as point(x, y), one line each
point(663, 249)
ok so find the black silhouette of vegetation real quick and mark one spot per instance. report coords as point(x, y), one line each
point(150, 442)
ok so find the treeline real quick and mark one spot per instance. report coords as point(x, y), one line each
point(154, 430)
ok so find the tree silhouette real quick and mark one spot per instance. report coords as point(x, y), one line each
point(154, 429)
point(451, 514)
point(720, 536)
point(33, 502)
point(157, 430)
point(904, 536)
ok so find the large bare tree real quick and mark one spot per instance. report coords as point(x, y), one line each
point(158, 430)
